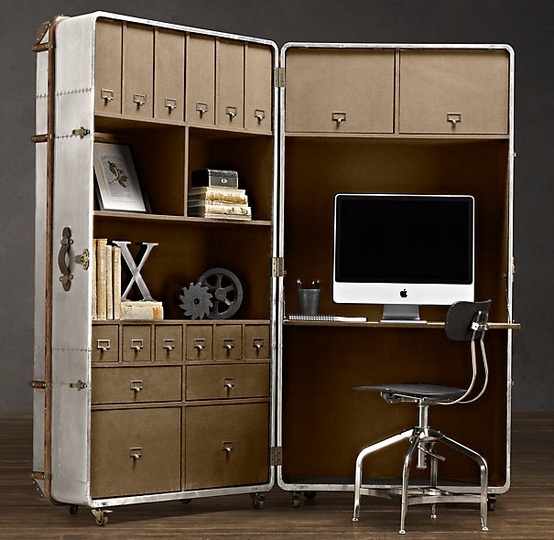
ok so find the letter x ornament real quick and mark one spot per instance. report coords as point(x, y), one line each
point(136, 268)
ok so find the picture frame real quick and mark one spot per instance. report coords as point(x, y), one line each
point(117, 184)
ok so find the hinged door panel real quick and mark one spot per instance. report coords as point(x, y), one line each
point(71, 246)
point(337, 90)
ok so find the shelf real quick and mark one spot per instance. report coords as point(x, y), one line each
point(430, 325)
point(158, 218)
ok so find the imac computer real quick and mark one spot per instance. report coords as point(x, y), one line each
point(403, 251)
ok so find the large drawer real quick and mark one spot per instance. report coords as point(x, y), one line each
point(226, 445)
point(136, 384)
point(227, 381)
point(135, 451)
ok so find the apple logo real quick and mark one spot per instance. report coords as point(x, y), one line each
point(404, 293)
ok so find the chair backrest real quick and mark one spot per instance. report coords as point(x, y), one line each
point(460, 318)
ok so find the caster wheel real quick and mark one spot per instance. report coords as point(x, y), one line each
point(186, 501)
point(100, 516)
point(73, 509)
point(491, 504)
point(295, 500)
point(258, 500)
point(309, 495)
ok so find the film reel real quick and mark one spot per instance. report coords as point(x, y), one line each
point(226, 291)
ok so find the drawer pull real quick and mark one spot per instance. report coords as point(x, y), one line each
point(259, 115)
point(229, 383)
point(137, 344)
point(139, 100)
point(135, 453)
point(137, 386)
point(106, 95)
point(171, 104)
point(229, 344)
point(258, 343)
point(227, 446)
point(104, 345)
point(169, 344)
point(453, 118)
point(338, 117)
point(202, 108)
point(231, 112)
point(199, 344)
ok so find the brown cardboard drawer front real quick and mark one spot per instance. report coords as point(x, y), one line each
point(228, 342)
point(136, 384)
point(226, 445)
point(227, 381)
point(135, 451)
point(199, 342)
point(257, 344)
point(105, 343)
point(136, 343)
point(169, 343)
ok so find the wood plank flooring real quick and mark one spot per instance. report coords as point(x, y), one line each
point(525, 511)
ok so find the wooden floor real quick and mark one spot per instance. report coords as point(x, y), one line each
point(525, 511)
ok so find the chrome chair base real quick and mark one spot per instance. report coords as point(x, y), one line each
point(422, 442)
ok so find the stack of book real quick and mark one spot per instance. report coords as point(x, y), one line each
point(215, 194)
point(106, 288)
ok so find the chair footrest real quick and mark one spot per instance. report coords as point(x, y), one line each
point(423, 495)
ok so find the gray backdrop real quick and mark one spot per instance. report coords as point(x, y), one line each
point(524, 24)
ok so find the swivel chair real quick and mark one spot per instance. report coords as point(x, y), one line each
point(465, 321)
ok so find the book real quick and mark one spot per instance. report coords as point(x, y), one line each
point(141, 311)
point(116, 282)
point(204, 208)
point(215, 177)
point(101, 309)
point(230, 195)
point(109, 282)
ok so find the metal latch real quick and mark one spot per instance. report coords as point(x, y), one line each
point(81, 132)
point(40, 475)
point(44, 137)
point(79, 385)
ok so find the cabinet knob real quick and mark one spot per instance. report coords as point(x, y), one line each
point(259, 115)
point(199, 344)
point(107, 95)
point(171, 104)
point(231, 112)
point(229, 344)
point(258, 343)
point(137, 345)
point(338, 117)
point(229, 383)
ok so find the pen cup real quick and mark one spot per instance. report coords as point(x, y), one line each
point(308, 301)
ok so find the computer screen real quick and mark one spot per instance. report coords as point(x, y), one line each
point(403, 250)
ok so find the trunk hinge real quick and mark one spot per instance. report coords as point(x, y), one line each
point(81, 132)
point(45, 137)
point(40, 385)
point(276, 456)
point(278, 267)
point(279, 77)
point(40, 475)
point(79, 385)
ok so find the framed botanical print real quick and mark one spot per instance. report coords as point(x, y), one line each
point(117, 183)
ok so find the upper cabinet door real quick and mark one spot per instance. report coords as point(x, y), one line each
point(230, 84)
point(454, 91)
point(169, 76)
point(258, 82)
point(200, 80)
point(336, 90)
point(138, 70)
point(108, 63)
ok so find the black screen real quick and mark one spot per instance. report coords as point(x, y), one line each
point(404, 239)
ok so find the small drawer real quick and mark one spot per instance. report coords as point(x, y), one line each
point(257, 344)
point(228, 342)
point(136, 343)
point(169, 343)
point(136, 384)
point(199, 342)
point(227, 381)
point(105, 343)
point(135, 451)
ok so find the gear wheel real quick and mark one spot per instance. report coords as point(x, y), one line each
point(196, 301)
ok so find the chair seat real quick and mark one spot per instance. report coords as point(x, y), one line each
point(416, 391)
